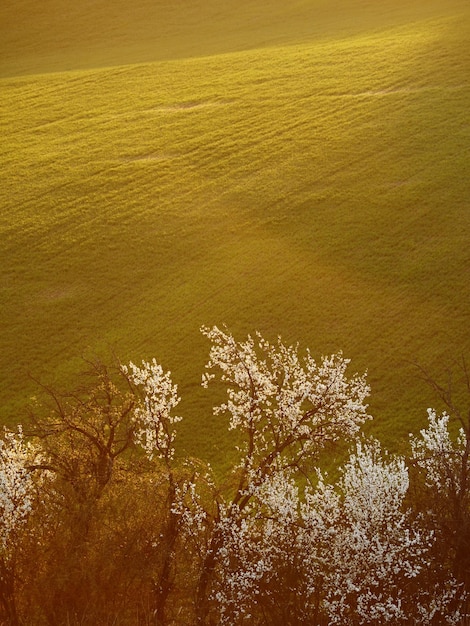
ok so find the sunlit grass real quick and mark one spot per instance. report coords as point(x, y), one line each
point(318, 191)
point(57, 35)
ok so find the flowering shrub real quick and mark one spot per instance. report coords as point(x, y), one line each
point(443, 463)
point(16, 487)
point(128, 531)
point(260, 563)
point(344, 553)
point(375, 558)
point(442, 459)
point(17, 493)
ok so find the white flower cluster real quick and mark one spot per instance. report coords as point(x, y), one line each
point(255, 546)
point(442, 459)
point(370, 548)
point(16, 486)
point(350, 551)
point(187, 506)
point(282, 402)
point(155, 423)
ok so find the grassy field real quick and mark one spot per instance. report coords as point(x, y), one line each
point(304, 171)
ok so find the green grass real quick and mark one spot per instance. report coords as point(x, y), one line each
point(311, 181)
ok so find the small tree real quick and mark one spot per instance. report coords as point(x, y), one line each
point(286, 408)
point(370, 561)
point(17, 495)
point(83, 434)
point(441, 453)
point(155, 433)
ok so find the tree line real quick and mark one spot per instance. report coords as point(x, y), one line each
point(103, 522)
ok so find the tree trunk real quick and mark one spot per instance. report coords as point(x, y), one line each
point(164, 584)
point(207, 571)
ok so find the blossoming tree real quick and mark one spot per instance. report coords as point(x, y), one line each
point(370, 553)
point(286, 408)
point(17, 491)
point(155, 433)
point(444, 462)
point(348, 553)
point(441, 453)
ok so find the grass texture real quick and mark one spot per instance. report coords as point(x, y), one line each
point(300, 170)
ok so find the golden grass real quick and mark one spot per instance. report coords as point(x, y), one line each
point(316, 190)
point(57, 35)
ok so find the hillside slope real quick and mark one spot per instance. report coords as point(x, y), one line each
point(319, 190)
point(59, 35)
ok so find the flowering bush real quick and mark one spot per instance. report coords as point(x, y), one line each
point(344, 553)
point(443, 463)
point(16, 487)
point(155, 422)
point(17, 494)
point(375, 559)
point(128, 530)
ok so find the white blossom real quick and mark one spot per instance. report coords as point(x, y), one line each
point(256, 545)
point(374, 558)
point(16, 486)
point(285, 405)
point(442, 458)
point(155, 422)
